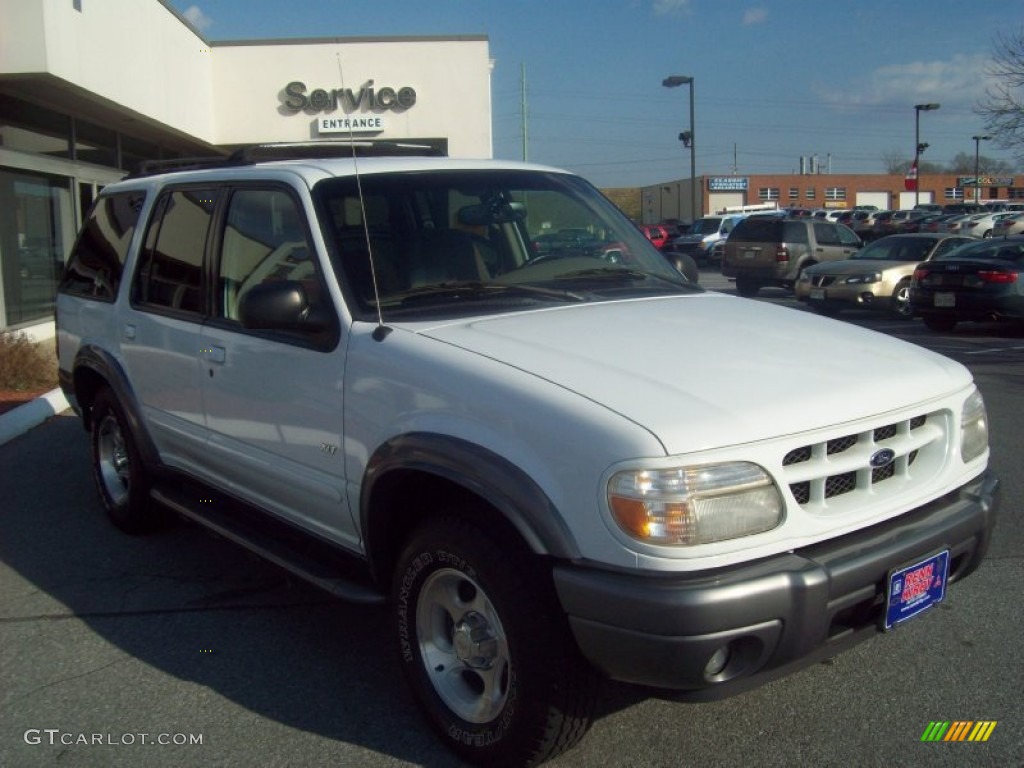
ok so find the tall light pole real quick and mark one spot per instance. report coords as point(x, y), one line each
point(977, 181)
point(919, 147)
point(688, 139)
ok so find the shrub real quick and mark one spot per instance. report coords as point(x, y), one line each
point(25, 365)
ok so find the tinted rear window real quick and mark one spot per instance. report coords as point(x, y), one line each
point(97, 259)
point(757, 229)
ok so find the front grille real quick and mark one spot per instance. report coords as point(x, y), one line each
point(820, 473)
point(822, 281)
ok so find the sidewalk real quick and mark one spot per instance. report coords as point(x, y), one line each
point(20, 420)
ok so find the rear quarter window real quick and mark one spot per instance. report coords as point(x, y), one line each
point(758, 230)
point(97, 258)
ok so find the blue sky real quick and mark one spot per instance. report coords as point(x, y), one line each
point(774, 80)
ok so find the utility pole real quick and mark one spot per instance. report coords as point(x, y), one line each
point(523, 113)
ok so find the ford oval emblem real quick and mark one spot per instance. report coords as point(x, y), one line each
point(882, 458)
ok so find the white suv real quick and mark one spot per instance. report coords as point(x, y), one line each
point(473, 390)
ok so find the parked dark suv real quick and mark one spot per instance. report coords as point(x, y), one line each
point(764, 251)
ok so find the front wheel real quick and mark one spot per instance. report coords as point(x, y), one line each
point(486, 650)
point(900, 306)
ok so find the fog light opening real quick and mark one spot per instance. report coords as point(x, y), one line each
point(717, 663)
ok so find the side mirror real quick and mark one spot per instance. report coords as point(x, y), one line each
point(280, 306)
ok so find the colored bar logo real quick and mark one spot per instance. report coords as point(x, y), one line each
point(959, 730)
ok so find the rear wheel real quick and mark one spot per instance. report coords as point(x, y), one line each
point(747, 287)
point(940, 323)
point(900, 303)
point(485, 648)
point(121, 478)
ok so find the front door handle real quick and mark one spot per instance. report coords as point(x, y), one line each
point(215, 354)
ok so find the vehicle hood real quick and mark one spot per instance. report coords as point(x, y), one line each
point(686, 239)
point(711, 370)
point(857, 266)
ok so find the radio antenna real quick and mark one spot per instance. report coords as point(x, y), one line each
point(381, 331)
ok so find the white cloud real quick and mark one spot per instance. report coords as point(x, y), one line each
point(670, 7)
point(754, 16)
point(957, 81)
point(195, 16)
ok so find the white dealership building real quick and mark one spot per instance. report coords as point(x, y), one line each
point(91, 88)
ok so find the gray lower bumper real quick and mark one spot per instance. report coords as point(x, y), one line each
point(718, 632)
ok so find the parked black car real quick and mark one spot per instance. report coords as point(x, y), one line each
point(980, 281)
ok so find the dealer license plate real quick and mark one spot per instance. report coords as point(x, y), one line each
point(945, 299)
point(818, 294)
point(748, 254)
point(916, 588)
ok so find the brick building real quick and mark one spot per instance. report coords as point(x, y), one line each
point(671, 200)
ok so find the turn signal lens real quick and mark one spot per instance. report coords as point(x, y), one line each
point(973, 428)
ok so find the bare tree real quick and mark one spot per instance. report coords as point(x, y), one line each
point(1002, 109)
point(963, 163)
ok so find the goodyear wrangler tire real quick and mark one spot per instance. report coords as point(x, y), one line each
point(121, 478)
point(486, 650)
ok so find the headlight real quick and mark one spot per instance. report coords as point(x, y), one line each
point(686, 506)
point(973, 428)
point(874, 277)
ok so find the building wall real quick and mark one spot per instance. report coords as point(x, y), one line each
point(450, 77)
point(137, 55)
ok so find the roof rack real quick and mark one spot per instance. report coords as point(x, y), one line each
point(299, 150)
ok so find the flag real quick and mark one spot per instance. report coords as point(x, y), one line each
point(910, 181)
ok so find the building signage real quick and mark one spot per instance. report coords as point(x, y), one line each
point(297, 98)
point(985, 181)
point(727, 184)
point(351, 124)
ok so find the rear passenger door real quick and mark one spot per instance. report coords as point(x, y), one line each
point(273, 398)
point(161, 328)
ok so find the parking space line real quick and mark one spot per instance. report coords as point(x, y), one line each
point(995, 349)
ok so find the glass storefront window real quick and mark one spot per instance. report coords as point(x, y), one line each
point(28, 128)
point(36, 230)
point(95, 144)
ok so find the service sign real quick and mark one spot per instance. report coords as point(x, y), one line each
point(351, 124)
point(727, 184)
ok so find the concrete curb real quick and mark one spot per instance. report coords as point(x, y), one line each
point(20, 420)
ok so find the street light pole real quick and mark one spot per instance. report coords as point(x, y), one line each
point(688, 138)
point(918, 147)
point(977, 181)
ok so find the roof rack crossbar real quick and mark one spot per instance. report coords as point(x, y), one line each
point(298, 150)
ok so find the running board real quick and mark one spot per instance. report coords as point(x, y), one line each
point(298, 553)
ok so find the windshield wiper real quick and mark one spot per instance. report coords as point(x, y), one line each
point(475, 291)
point(620, 273)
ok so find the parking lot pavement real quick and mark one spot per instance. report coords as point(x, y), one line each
point(111, 643)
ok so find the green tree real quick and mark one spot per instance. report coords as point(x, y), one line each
point(1002, 108)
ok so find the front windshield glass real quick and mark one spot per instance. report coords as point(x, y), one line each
point(706, 226)
point(897, 249)
point(457, 242)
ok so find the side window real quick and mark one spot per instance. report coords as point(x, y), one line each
point(97, 259)
point(265, 241)
point(848, 237)
point(947, 245)
point(825, 233)
point(170, 272)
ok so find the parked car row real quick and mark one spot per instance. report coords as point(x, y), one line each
point(942, 278)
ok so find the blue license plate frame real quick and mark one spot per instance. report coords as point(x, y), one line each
point(913, 589)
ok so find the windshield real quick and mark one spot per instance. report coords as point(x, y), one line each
point(706, 226)
point(897, 249)
point(484, 240)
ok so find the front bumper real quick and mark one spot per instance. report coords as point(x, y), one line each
point(712, 634)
